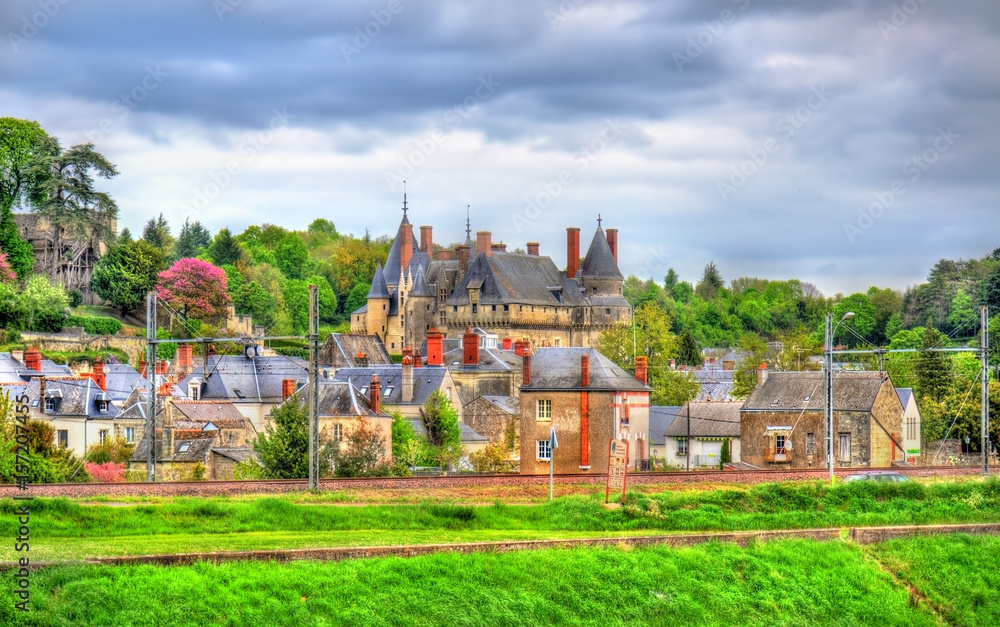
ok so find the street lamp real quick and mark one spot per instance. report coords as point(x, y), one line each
point(828, 349)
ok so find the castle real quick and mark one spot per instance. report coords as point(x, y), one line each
point(522, 296)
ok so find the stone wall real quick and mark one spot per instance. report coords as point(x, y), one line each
point(134, 347)
point(566, 420)
point(488, 420)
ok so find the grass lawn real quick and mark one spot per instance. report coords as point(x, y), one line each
point(779, 583)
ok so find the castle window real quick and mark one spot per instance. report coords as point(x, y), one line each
point(494, 307)
point(607, 312)
point(506, 307)
point(475, 309)
point(454, 308)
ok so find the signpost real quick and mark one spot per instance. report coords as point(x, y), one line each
point(553, 445)
point(617, 469)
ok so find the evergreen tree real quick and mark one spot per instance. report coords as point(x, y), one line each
point(933, 370)
point(284, 446)
point(126, 273)
point(19, 142)
point(224, 249)
point(711, 282)
point(963, 318)
point(157, 233)
point(670, 280)
point(192, 240)
point(687, 350)
point(357, 298)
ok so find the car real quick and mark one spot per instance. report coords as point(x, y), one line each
point(885, 477)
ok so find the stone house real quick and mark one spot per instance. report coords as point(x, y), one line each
point(589, 401)
point(494, 417)
point(783, 421)
point(700, 443)
point(483, 365)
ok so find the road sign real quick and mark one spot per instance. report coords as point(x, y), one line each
point(617, 468)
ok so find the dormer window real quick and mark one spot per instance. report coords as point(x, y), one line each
point(50, 404)
point(194, 389)
point(184, 448)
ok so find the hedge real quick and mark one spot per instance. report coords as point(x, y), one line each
point(95, 325)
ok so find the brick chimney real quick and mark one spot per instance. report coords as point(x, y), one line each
point(470, 348)
point(499, 248)
point(522, 348)
point(33, 359)
point(161, 366)
point(641, 369)
point(585, 370)
point(533, 248)
point(762, 374)
point(184, 361)
point(287, 388)
point(427, 240)
point(98, 374)
point(526, 370)
point(613, 242)
point(572, 251)
point(484, 242)
point(406, 246)
point(508, 344)
point(417, 359)
point(463, 259)
point(375, 394)
point(444, 255)
point(142, 368)
point(435, 348)
point(407, 386)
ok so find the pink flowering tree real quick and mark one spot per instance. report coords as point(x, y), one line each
point(194, 287)
point(6, 273)
point(109, 472)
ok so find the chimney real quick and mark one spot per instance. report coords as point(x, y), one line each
point(444, 255)
point(641, 369)
point(572, 251)
point(41, 394)
point(499, 248)
point(98, 375)
point(142, 368)
point(167, 440)
point(406, 246)
point(375, 394)
point(483, 242)
point(18, 356)
point(522, 348)
point(33, 359)
point(417, 359)
point(613, 242)
point(533, 248)
point(470, 348)
point(161, 366)
point(507, 344)
point(184, 361)
point(762, 374)
point(463, 259)
point(407, 379)
point(427, 240)
point(585, 370)
point(287, 388)
point(435, 348)
point(526, 370)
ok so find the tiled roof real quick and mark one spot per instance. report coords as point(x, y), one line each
point(558, 368)
point(215, 411)
point(709, 419)
point(341, 350)
point(243, 380)
point(789, 391)
point(425, 381)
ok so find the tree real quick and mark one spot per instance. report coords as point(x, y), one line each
point(362, 454)
point(991, 287)
point(284, 446)
point(157, 233)
point(674, 387)
point(254, 300)
point(711, 282)
point(964, 318)
point(327, 299)
point(358, 297)
point(687, 350)
point(7, 275)
point(224, 249)
point(887, 303)
point(292, 257)
point(862, 324)
point(62, 190)
point(754, 352)
point(192, 240)
point(18, 145)
point(648, 336)
point(444, 435)
point(933, 370)
point(406, 444)
point(38, 306)
point(126, 273)
point(670, 280)
point(196, 288)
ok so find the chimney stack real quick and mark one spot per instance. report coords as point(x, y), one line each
point(484, 242)
point(407, 379)
point(499, 248)
point(375, 394)
point(526, 370)
point(522, 348)
point(406, 246)
point(444, 255)
point(427, 240)
point(435, 348)
point(641, 369)
point(184, 360)
point(613, 242)
point(142, 368)
point(533, 248)
point(463, 259)
point(33, 359)
point(762, 374)
point(470, 348)
point(98, 375)
point(572, 251)
point(287, 388)
point(417, 359)
point(585, 370)
point(507, 344)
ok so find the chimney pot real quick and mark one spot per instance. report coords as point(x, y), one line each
point(470, 348)
point(533, 248)
point(33, 359)
point(427, 240)
point(641, 369)
point(435, 348)
point(287, 388)
point(762, 374)
point(526, 370)
point(463, 259)
point(483, 242)
point(572, 251)
point(375, 394)
point(407, 386)
point(612, 235)
point(585, 370)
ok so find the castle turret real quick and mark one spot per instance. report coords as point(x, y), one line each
point(379, 300)
point(419, 310)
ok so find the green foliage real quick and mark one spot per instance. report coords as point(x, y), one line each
point(933, 370)
point(156, 233)
point(127, 273)
point(95, 325)
point(755, 353)
point(444, 436)
point(963, 319)
point(650, 335)
point(253, 300)
point(225, 250)
point(863, 322)
point(406, 444)
point(116, 450)
point(687, 350)
point(37, 306)
point(358, 297)
point(711, 282)
point(674, 387)
point(192, 240)
point(75, 297)
point(726, 453)
point(165, 351)
point(19, 143)
point(362, 453)
point(284, 446)
point(292, 257)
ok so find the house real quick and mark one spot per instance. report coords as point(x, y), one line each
point(589, 401)
point(496, 418)
point(480, 284)
point(19, 367)
point(911, 424)
point(660, 417)
point(481, 364)
point(406, 387)
point(79, 410)
point(700, 442)
point(714, 384)
point(351, 350)
point(783, 421)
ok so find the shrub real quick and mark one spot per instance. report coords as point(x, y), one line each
point(109, 472)
point(117, 450)
point(95, 325)
point(75, 298)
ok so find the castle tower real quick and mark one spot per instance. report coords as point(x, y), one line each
point(419, 310)
point(379, 299)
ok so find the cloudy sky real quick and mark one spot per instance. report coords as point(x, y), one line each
point(846, 143)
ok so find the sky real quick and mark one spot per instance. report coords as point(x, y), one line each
point(847, 143)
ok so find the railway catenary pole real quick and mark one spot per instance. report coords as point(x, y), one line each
point(985, 389)
point(313, 387)
point(151, 392)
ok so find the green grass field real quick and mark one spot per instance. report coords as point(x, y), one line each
point(779, 583)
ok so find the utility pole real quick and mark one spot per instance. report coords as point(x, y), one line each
point(828, 368)
point(151, 379)
point(689, 435)
point(985, 391)
point(313, 387)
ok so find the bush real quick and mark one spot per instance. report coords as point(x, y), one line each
point(95, 325)
point(75, 298)
point(115, 450)
point(109, 472)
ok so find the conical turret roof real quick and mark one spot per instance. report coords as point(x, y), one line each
point(379, 288)
point(420, 287)
point(600, 262)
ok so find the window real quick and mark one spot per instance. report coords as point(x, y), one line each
point(810, 443)
point(506, 307)
point(844, 447)
point(494, 307)
point(102, 436)
point(338, 432)
point(911, 428)
point(607, 312)
point(388, 392)
point(193, 389)
point(543, 409)
point(441, 317)
point(544, 452)
point(475, 309)
point(103, 406)
point(50, 404)
point(557, 342)
point(682, 446)
point(130, 435)
point(184, 448)
point(454, 309)
point(779, 444)
point(62, 438)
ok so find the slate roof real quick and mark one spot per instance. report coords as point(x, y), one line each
point(78, 398)
point(517, 279)
point(904, 394)
point(558, 368)
point(13, 371)
point(238, 455)
point(243, 380)
point(787, 391)
point(340, 398)
point(490, 359)
point(218, 412)
point(600, 261)
point(660, 417)
point(121, 380)
point(508, 404)
point(708, 419)
point(341, 349)
point(420, 287)
point(394, 262)
point(379, 288)
point(425, 381)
